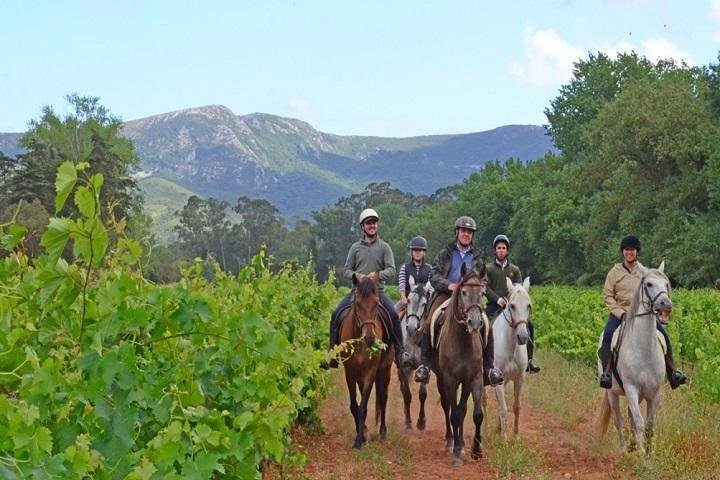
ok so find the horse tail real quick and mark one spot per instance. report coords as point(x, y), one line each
point(604, 420)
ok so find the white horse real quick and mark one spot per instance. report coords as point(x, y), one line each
point(640, 361)
point(511, 334)
point(411, 327)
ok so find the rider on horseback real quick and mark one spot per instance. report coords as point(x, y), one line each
point(620, 284)
point(416, 268)
point(497, 291)
point(371, 257)
point(444, 278)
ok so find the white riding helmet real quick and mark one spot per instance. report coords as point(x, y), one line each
point(367, 213)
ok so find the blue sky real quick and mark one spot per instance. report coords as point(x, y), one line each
point(390, 68)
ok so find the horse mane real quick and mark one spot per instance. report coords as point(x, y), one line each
point(366, 287)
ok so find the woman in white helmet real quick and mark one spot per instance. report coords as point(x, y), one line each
point(371, 257)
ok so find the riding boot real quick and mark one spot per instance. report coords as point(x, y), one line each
point(605, 354)
point(675, 377)
point(422, 374)
point(401, 356)
point(334, 340)
point(532, 365)
point(492, 375)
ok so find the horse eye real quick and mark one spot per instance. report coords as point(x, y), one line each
point(650, 284)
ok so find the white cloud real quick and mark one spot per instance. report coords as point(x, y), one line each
point(715, 9)
point(548, 59)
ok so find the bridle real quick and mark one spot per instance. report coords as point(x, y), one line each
point(361, 324)
point(463, 310)
point(650, 302)
point(510, 318)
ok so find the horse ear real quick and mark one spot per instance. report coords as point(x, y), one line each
point(661, 268)
point(355, 279)
point(526, 283)
point(463, 269)
point(509, 284)
point(411, 282)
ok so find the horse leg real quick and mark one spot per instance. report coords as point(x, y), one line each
point(360, 428)
point(382, 382)
point(502, 410)
point(652, 406)
point(638, 423)
point(614, 401)
point(422, 394)
point(445, 403)
point(403, 376)
point(457, 417)
point(478, 392)
point(517, 386)
point(352, 392)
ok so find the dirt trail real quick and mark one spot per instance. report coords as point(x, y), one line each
point(556, 446)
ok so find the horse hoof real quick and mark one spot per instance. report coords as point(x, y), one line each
point(357, 445)
point(457, 462)
point(421, 425)
point(408, 430)
point(476, 454)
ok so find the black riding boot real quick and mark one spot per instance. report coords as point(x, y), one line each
point(675, 377)
point(605, 354)
point(401, 357)
point(422, 374)
point(532, 366)
point(334, 340)
point(492, 375)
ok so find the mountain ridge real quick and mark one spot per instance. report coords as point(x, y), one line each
point(214, 152)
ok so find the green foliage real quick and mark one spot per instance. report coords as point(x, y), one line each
point(106, 375)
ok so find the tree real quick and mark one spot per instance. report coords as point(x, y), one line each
point(259, 224)
point(204, 229)
point(88, 134)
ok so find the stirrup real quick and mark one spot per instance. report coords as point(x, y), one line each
point(422, 374)
point(677, 378)
point(532, 367)
point(606, 380)
point(495, 376)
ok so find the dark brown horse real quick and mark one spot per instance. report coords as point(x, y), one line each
point(362, 329)
point(458, 361)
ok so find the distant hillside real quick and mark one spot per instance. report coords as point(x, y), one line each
point(162, 199)
point(9, 144)
point(213, 152)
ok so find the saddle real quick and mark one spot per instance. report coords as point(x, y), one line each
point(615, 349)
point(437, 320)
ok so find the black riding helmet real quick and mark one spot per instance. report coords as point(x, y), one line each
point(630, 241)
point(501, 239)
point(418, 243)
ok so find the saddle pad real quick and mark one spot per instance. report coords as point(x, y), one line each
point(616, 337)
point(433, 320)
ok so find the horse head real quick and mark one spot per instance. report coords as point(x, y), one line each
point(656, 293)
point(365, 308)
point(417, 302)
point(518, 309)
point(469, 297)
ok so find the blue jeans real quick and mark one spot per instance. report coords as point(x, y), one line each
point(613, 323)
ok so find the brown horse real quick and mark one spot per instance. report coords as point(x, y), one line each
point(361, 327)
point(458, 361)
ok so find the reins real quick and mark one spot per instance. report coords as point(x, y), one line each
point(462, 316)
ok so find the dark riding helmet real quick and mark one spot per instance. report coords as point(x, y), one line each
point(501, 238)
point(418, 243)
point(465, 222)
point(630, 241)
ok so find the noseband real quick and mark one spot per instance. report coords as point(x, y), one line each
point(463, 311)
